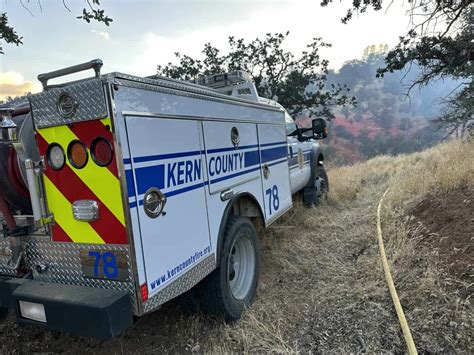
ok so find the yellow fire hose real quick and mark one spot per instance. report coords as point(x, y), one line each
point(393, 292)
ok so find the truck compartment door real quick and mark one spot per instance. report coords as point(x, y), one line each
point(231, 154)
point(167, 155)
point(275, 172)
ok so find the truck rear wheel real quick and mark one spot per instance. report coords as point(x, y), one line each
point(231, 288)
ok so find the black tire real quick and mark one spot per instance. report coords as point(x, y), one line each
point(217, 297)
point(3, 314)
point(321, 183)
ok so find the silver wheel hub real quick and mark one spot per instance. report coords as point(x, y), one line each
point(241, 266)
point(320, 185)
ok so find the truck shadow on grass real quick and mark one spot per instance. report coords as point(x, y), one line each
point(163, 330)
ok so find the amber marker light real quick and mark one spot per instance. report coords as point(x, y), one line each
point(77, 154)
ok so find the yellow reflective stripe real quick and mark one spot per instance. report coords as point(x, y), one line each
point(100, 180)
point(106, 121)
point(79, 232)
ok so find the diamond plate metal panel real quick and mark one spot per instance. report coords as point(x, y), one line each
point(182, 284)
point(5, 259)
point(88, 94)
point(64, 265)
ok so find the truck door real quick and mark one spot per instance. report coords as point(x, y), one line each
point(299, 157)
point(275, 174)
point(167, 155)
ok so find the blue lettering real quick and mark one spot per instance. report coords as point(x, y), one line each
point(197, 170)
point(218, 167)
point(171, 179)
point(189, 170)
point(210, 164)
point(180, 172)
point(236, 156)
point(225, 163)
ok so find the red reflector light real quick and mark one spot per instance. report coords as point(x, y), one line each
point(144, 291)
point(101, 151)
point(77, 154)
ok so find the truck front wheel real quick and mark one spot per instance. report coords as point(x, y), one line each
point(321, 183)
point(231, 288)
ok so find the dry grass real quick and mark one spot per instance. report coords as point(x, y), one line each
point(322, 288)
point(440, 318)
point(446, 167)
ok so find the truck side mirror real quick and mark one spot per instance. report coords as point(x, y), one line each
point(319, 128)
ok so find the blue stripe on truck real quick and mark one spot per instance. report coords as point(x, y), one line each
point(174, 174)
point(273, 153)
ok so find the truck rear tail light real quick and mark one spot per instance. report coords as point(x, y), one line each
point(101, 151)
point(144, 292)
point(85, 210)
point(55, 156)
point(77, 154)
point(33, 311)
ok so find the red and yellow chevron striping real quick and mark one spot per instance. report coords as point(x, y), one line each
point(92, 182)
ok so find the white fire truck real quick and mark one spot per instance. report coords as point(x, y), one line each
point(119, 193)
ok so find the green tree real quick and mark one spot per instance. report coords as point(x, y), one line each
point(296, 81)
point(440, 43)
point(90, 13)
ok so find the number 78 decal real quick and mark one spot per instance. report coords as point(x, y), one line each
point(104, 264)
point(273, 199)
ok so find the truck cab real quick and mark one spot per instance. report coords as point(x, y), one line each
point(305, 157)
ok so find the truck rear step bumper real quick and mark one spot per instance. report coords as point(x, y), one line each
point(81, 310)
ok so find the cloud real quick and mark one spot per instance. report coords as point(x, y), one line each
point(13, 84)
point(103, 34)
point(305, 20)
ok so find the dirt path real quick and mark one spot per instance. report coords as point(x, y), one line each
point(322, 289)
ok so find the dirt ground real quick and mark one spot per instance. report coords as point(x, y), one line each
point(454, 240)
point(322, 289)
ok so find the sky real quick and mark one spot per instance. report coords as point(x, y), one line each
point(146, 33)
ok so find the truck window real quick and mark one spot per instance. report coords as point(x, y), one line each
point(290, 124)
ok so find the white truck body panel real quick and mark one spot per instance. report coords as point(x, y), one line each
point(183, 146)
point(273, 153)
point(172, 163)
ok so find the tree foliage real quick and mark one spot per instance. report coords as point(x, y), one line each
point(296, 81)
point(7, 32)
point(440, 43)
point(458, 112)
point(90, 13)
